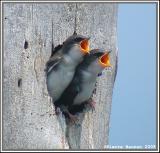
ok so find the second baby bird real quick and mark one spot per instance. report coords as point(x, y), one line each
point(82, 85)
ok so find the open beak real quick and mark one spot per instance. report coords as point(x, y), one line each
point(85, 46)
point(105, 60)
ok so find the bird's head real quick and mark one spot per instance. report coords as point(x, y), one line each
point(77, 46)
point(104, 59)
point(97, 60)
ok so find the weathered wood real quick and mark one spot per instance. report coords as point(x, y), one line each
point(28, 114)
point(99, 22)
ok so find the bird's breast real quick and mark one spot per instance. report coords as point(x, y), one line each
point(58, 80)
point(85, 93)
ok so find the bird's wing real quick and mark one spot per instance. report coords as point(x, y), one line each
point(56, 49)
point(53, 62)
point(69, 94)
point(74, 87)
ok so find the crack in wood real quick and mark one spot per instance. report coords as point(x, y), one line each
point(19, 82)
point(35, 70)
point(52, 47)
point(25, 44)
point(75, 19)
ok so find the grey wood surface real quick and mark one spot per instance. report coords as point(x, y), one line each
point(28, 113)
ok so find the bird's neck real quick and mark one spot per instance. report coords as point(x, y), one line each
point(88, 75)
point(68, 61)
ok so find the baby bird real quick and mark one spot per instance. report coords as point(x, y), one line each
point(82, 85)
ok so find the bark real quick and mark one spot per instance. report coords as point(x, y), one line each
point(28, 113)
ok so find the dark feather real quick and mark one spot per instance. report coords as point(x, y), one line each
point(77, 108)
point(56, 49)
point(52, 63)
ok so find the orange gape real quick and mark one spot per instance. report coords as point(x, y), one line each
point(84, 44)
point(105, 60)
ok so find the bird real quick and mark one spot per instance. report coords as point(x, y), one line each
point(79, 91)
point(63, 61)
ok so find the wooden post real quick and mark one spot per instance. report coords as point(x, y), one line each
point(28, 113)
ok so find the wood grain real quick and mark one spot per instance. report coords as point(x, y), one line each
point(28, 113)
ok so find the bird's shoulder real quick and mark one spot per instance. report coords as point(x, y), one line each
point(56, 49)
